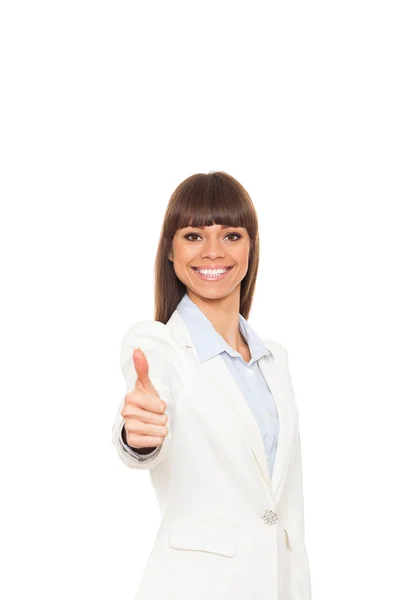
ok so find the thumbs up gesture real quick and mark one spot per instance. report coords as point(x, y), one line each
point(143, 409)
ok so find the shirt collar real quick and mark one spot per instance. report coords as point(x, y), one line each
point(208, 342)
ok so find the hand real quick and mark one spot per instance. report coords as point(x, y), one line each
point(143, 409)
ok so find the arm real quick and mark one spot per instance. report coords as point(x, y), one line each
point(156, 341)
point(294, 520)
point(295, 525)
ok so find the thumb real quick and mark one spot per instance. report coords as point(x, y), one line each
point(142, 368)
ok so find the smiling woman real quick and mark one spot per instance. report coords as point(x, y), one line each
point(210, 223)
point(207, 402)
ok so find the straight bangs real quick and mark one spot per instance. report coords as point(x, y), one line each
point(211, 199)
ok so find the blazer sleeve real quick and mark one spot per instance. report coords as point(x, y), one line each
point(155, 339)
point(296, 530)
point(295, 521)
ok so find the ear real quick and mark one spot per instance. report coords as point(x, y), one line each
point(170, 256)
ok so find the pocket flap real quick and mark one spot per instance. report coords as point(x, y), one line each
point(206, 534)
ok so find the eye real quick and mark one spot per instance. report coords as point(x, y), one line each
point(189, 235)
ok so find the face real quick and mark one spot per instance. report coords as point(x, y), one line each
point(211, 248)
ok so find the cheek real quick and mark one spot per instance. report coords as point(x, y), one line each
point(242, 256)
point(185, 253)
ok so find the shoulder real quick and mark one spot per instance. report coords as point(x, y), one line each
point(154, 339)
point(152, 333)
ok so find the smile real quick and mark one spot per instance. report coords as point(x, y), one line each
point(211, 274)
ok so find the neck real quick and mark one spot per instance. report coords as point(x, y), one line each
point(223, 314)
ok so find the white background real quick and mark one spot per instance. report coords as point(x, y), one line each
point(105, 108)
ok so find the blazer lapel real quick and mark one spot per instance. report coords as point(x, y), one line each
point(217, 375)
point(281, 390)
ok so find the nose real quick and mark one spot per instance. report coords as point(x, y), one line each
point(213, 248)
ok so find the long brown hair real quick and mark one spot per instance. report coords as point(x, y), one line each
point(215, 198)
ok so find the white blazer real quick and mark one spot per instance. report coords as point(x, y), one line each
point(227, 531)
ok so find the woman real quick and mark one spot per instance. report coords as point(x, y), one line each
point(210, 411)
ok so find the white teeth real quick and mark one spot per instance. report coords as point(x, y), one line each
point(214, 272)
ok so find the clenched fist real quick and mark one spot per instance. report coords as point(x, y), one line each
point(143, 410)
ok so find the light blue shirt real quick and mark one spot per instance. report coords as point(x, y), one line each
point(248, 376)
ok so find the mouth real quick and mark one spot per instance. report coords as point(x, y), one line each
point(210, 276)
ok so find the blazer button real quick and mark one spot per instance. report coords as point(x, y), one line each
point(270, 518)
